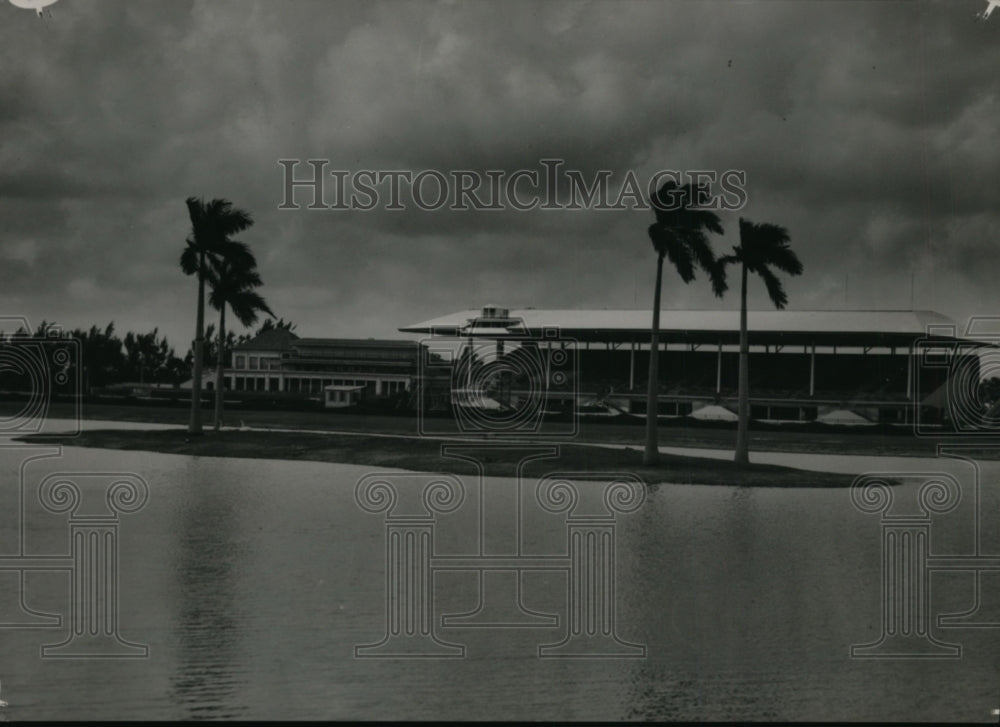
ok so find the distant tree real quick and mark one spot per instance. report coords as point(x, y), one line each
point(148, 357)
point(211, 349)
point(45, 329)
point(270, 324)
point(212, 226)
point(100, 356)
point(233, 284)
point(762, 246)
point(178, 370)
point(105, 359)
point(17, 376)
point(679, 234)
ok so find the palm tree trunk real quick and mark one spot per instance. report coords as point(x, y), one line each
point(199, 344)
point(652, 454)
point(742, 428)
point(219, 368)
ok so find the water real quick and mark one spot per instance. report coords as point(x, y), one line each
point(252, 581)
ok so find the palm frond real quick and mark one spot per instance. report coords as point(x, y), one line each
point(196, 210)
point(189, 259)
point(680, 256)
point(680, 231)
point(773, 234)
point(785, 259)
point(717, 276)
point(246, 305)
point(775, 289)
point(707, 220)
point(227, 219)
point(701, 249)
point(668, 200)
point(237, 254)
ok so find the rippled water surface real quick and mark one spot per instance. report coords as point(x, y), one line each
point(252, 582)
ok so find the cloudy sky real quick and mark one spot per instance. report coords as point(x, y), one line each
point(868, 129)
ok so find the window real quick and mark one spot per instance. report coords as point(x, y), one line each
point(253, 363)
point(241, 361)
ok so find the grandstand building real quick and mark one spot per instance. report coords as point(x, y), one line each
point(869, 365)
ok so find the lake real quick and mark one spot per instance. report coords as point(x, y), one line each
point(252, 582)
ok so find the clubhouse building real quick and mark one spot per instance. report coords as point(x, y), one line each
point(342, 372)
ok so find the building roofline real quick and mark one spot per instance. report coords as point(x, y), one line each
point(838, 327)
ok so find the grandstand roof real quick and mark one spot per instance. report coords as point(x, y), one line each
point(843, 327)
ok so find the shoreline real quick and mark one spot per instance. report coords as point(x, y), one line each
point(424, 455)
point(678, 434)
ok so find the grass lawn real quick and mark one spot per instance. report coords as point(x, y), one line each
point(673, 432)
point(425, 455)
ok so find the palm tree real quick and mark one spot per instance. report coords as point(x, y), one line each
point(212, 226)
point(761, 247)
point(233, 283)
point(679, 234)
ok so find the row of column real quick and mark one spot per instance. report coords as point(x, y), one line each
point(812, 370)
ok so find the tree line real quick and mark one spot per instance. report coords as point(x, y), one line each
point(107, 358)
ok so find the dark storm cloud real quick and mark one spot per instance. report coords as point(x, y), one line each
point(867, 128)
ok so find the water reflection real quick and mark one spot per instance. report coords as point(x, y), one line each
point(253, 581)
point(660, 694)
point(209, 555)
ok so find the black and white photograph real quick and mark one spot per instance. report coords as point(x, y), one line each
point(489, 360)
